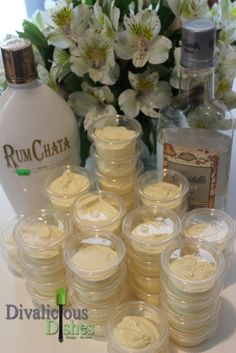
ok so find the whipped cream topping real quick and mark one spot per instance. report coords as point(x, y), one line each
point(214, 231)
point(114, 133)
point(192, 267)
point(162, 190)
point(69, 183)
point(153, 230)
point(41, 234)
point(94, 258)
point(135, 332)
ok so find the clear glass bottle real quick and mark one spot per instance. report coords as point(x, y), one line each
point(195, 131)
point(38, 129)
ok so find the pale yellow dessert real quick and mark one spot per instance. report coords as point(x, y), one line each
point(121, 186)
point(192, 268)
point(154, 230)
point(64, 189)
point(115, 142)
point(93, 211)
point(162, 193)
point(208, 231)
point(135, 332)
point(41, 234)
point(94, 258)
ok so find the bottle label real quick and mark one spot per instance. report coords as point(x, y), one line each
point(200, 167)
point(37, 152)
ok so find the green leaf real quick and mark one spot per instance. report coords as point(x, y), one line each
point(72, 83)
point(166, 16)
point(164, 72)
point(37, 38)
point(123, 5)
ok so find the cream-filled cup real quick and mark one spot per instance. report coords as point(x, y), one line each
point(149, 230)
point(98, 211)
point(115, 137)
point(64, 184)
point(137, 326)
point(213, 226)
point(93, 255)
point(165, 188)
point(42, 234)
point(8, 246)
point(114, 168)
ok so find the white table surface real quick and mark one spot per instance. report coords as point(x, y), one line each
point(28, 336)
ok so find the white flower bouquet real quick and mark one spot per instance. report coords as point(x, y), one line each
point(123, 56)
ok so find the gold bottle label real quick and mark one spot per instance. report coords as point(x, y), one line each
point(200, 166)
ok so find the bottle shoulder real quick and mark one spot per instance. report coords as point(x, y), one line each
point(207, 114)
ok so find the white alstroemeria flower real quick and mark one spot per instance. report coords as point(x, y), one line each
point(224, 15)
point(141, 42)
point(46, 78)
point(66, 24)
point(225, 91)
point(147, 95)
point(60, 65)
point(92, 103)
point(228, 60)
point(189, 9)
point(95, 56)
point(107, 25)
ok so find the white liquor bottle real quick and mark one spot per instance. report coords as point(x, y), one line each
point(38, 129)
point(195, 132)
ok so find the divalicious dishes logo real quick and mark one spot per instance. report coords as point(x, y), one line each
point(64, 322)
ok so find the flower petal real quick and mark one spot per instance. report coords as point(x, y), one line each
point(96, 112)
point(159, 52)
point(81, 102)
point(123, 47)
point(58, 39)
point(128, 103)
point(79, 66)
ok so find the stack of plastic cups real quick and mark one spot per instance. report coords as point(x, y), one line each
point(192, 274)
point(40, 238)
point(148, 231)
point(62, 185)
point(213, 226)
point(98, 211)
point(96, 275)
point(116, 155)
point(8, 246)
point(137, 327)
point(166, 188)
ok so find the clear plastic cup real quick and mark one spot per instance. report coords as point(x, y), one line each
point(8, 246)
point(114, 168)
point(165, 188)
point(213, 226)
point(148, 284)
point(64, 184)
point(196, 337)
point(185, 281)
point(94, 293)
point(184, 322)
point(149, 230)
point(98, 211)
point(143, 295)
point(33, 234)
point(156, 317)
point(118, 145)
point(94, 271)
point(119, 185)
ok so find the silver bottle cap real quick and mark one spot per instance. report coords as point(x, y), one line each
point(198, 44)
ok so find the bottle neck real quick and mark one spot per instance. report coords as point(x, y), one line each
point(197, 83)
point(32, 84)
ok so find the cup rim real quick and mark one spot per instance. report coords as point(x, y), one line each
point(51, 176)
point(153, 174)
point(189, 216)
point(133, 122)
